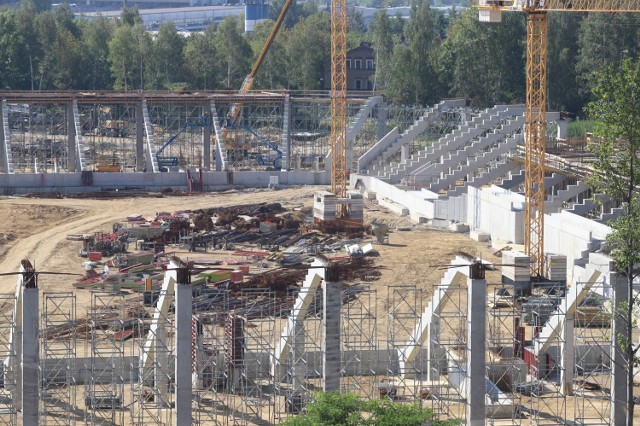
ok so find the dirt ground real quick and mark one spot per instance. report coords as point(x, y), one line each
point(36, 229)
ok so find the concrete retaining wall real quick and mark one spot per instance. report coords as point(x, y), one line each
point(24, 183)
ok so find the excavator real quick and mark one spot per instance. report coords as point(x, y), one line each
point(232, 123)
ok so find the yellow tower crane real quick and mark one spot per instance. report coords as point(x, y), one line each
point(339, 169)
point(536, 124)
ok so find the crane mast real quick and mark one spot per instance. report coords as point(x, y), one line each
point(339, 169)
point(536, 124)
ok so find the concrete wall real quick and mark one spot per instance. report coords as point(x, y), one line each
point(24, 183)
point(417, 202)
point(571, 235)
point(498, 212)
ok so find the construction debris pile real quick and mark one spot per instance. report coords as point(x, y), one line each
point(261, 246)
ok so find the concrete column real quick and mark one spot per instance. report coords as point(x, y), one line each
point(206, 141)
point(71, 140)
point(476, 348)
point(618, 363)
point(568, 355)
point(404, 152)
point(298, 163)
point(316, 164)
point(140, 159)
point(30, 356)
point(184, 342)
point(382, 120)
point(331, 330)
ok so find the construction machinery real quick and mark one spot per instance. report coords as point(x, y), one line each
point(536, 124)
point(114, 128)
point(228, 136)
point(164, 162)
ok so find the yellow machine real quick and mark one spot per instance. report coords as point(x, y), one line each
point(229, 136)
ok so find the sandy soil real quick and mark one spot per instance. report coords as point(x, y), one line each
point(36, 229)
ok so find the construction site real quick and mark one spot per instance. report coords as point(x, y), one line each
point(215, 258)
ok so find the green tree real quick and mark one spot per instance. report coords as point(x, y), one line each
point(95, 45)
point(166, 60)
point(616, 109)
point(563, 51)
point(336, 409)
point(26, 16)
point(128, 50)
point(414, 79)
point(130, 16)
point(382, 41)
point(15, 65)
point(308, 44)
point(201, 60)
point(272, 73)
point(485, 62)
point(605, 39)
point(234, 52)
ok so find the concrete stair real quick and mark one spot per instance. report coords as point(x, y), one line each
point(613, 214)
point(512, 181)
point(393, 141)
point(493, 171)
point(221, 153)
point(81, 163)
point(434, 175)
point(556, 202)
point(488, 119)
point(482, 160)
point(7, 161)
point(361, 117)
point(152, 161)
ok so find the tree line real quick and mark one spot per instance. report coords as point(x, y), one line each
point(427, 57)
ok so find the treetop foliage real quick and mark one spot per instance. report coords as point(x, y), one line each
point(427, 57)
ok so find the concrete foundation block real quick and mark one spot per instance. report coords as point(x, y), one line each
point(459, 227)
point(480, 236)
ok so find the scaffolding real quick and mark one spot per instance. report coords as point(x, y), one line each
point(505, 367)
point(152, 392)
point(210, 310)
point(303, 365)
point(593, 342)
point(252, 338)
point(108, 330)
point(405, 312)
point(8, 413)
point(359, 341)
point(449, 353)
point(58, 359)
point(543, 392)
